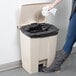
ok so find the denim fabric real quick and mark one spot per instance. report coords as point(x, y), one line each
point(71, 35)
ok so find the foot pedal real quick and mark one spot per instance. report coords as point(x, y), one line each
point(40, 67)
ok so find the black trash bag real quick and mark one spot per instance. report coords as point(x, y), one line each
point(37, 30)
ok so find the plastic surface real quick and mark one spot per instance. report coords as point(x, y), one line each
point(37, 30)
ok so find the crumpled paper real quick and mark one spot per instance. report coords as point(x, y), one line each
point(46, 12)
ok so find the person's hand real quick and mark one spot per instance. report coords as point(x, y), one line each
point(50, 6)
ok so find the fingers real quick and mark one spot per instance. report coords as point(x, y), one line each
point(49, 7)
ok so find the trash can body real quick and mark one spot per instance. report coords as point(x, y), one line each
point(38, 48)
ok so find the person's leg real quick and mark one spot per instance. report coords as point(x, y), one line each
point(71, 35)
point(62, 55)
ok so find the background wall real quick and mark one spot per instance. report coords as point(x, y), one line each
point(9, 36)
point(61, 20)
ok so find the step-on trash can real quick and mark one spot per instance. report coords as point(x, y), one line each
point(38, 38)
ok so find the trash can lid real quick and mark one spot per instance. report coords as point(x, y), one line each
point(39, 30)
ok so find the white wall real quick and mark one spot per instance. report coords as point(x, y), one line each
point(61, 20)
point(9, 48)
point(9, 36)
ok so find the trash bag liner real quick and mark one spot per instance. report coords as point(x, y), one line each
point(38, 30)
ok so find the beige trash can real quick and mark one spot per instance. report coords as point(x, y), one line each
point(35, 50)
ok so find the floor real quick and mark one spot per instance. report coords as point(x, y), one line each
point(68, 69)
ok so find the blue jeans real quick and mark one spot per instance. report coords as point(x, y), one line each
point(71, 35)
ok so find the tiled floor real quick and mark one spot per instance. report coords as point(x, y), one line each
point(68, 69)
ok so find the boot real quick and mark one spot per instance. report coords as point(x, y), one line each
point(61, 56)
